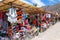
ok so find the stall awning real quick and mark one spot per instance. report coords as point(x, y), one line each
point(4, 5)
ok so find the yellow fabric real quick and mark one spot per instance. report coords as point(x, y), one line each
point(34, 29)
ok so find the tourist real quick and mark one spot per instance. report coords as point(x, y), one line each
point(43, 26)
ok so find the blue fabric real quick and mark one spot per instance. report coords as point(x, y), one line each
point(24, 16)
point(4, 32)
point(5, 25)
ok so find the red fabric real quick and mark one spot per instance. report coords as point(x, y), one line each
point(44, 18)
point(28, 27)
point(7, 33)
point(20, 14)
point(39, 24)
point(25, 22)
point(21, 25)
point(19, 17)
point(1, 14)
point(34, 22)
point(17, 28)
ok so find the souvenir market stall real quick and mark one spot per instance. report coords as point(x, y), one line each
point(8, 5)
point(16, 15)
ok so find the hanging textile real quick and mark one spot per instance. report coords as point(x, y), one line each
point(1, 17)
point(19, 15)
point(12, 15)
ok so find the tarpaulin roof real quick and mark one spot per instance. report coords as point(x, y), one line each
point(4, 5)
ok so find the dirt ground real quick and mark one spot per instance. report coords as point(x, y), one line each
point(53, 33)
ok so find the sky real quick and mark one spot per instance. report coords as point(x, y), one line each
point(41, 3)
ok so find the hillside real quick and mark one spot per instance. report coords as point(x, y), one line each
point(54, 8)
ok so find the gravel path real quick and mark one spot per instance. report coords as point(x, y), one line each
point(53, 33)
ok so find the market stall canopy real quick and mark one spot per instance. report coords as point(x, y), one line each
point(4, 5)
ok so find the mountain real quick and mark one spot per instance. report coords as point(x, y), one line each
point(53, 8)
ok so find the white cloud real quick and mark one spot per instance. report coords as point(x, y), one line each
point(25, 2)
point(52, 1)
point(39, 2)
